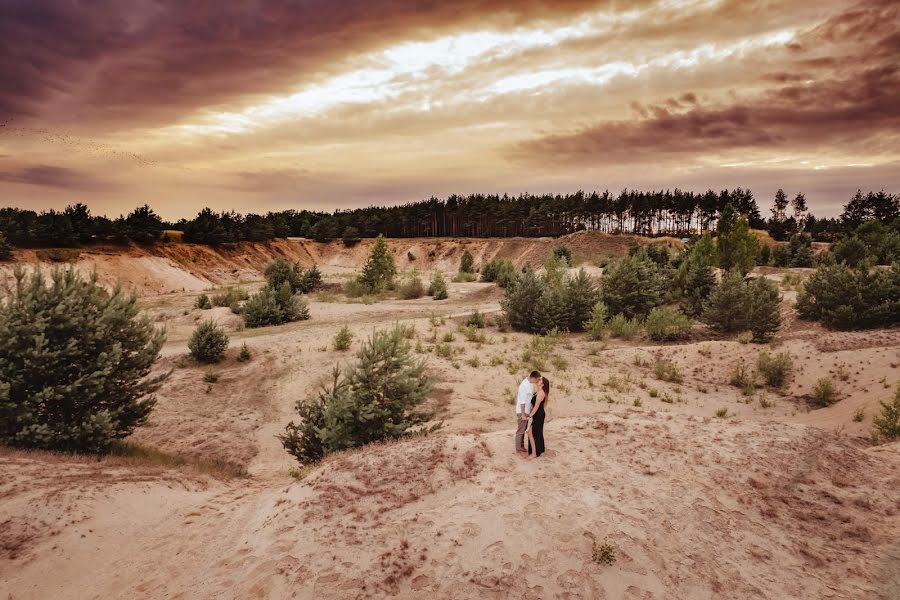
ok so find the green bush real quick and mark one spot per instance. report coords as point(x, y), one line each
point(350, 236)
point(540, 303)
point(244, 354)
point(851, 251)
point(412, 288)
point(203, 302)
point(886, 426)
point(845, 298)
point(624, 328)
point(467, 263)
point(230, 297)
point(379, 271)
point(343, 339)
point(596, 325)
point(823, 392)
point(378, 398)
point(280, 271)
point(438, 287)
point(665, 325)
point(635, 285)
point(774, 369)
point(500, 271)
point(562, 251)
point(74, 363)
point(208, 342)
point(211, 377)
point(476, 319)
point(737, 305)
point(796, 253)
point(262, 309)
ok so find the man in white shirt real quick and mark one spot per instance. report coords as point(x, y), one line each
point(523, 408)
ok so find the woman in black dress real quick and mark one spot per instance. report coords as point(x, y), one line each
point(536, 426)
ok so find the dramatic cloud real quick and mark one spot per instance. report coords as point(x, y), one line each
point(273, 104)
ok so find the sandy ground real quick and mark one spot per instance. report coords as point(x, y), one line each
point(778, 499)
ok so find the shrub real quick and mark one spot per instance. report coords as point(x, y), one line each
point(412, 288)
point(562, 251)
point(476, 319)
point(343, 339)
point(211, 377)
point(737, 305)
point(438, 287)
point(886, 426)
point(203, 302)
point(208, 342)
point(244, 354)
point(465, 278)
point(665, 325)
point(74, 363)
point(634, 286)
point(621, 327)
point(280, 271)
point(541, 303)
point(796, 253)
point(596, 325)
point(378, 398)
point(823, 392)
point(354, 288)
point(230, 297)
point(851, 251)
point(774, 369)
point(467, 263)
point(262, 309)
point(743, 379)
point(500, 271)
point(666, 370)
point(379, 271)
point(845, 298)
point(291, 306)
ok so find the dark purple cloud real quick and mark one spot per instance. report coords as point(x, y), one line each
point(54, 177)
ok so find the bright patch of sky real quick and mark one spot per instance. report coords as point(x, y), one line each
point(388, 77)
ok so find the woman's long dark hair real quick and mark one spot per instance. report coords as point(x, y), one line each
point(546, 388)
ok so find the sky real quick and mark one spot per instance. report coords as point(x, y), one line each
point(330, 104)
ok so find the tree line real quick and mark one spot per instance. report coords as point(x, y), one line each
point(679, 213)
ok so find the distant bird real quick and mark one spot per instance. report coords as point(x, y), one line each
point(76, 144)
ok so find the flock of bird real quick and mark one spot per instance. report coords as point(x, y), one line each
point(71, 143)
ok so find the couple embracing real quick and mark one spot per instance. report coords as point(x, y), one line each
point(531, 400)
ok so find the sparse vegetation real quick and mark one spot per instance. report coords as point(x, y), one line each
point(859, 415)
point(476, 319)
point(412, 288)
point(666, 370)
point(743, 379)
point(722, 413)
point(211, 377)
point(823, 392)
point(209, 342)
point(244, 353)
point(343, 339)
point(203, 302)
point(623, 328)
point(774, 369)
point(667, 325)
point(75, 361)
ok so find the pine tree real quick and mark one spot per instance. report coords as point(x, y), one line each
point(75, 362)
point(763, 309)
point(279, 271)
point(379, 271)
point(209, 342)
point(378, 398)
point(736, 246)
point(520, 300)
point(634, 285)
point(291, 306)
point(262, 309)
point(581, 296)
point(695, 278)
point(886, 426)
point(438, 287)
point(779, 209)
point(800, 209)
point(724, 311)
point(467, 263)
